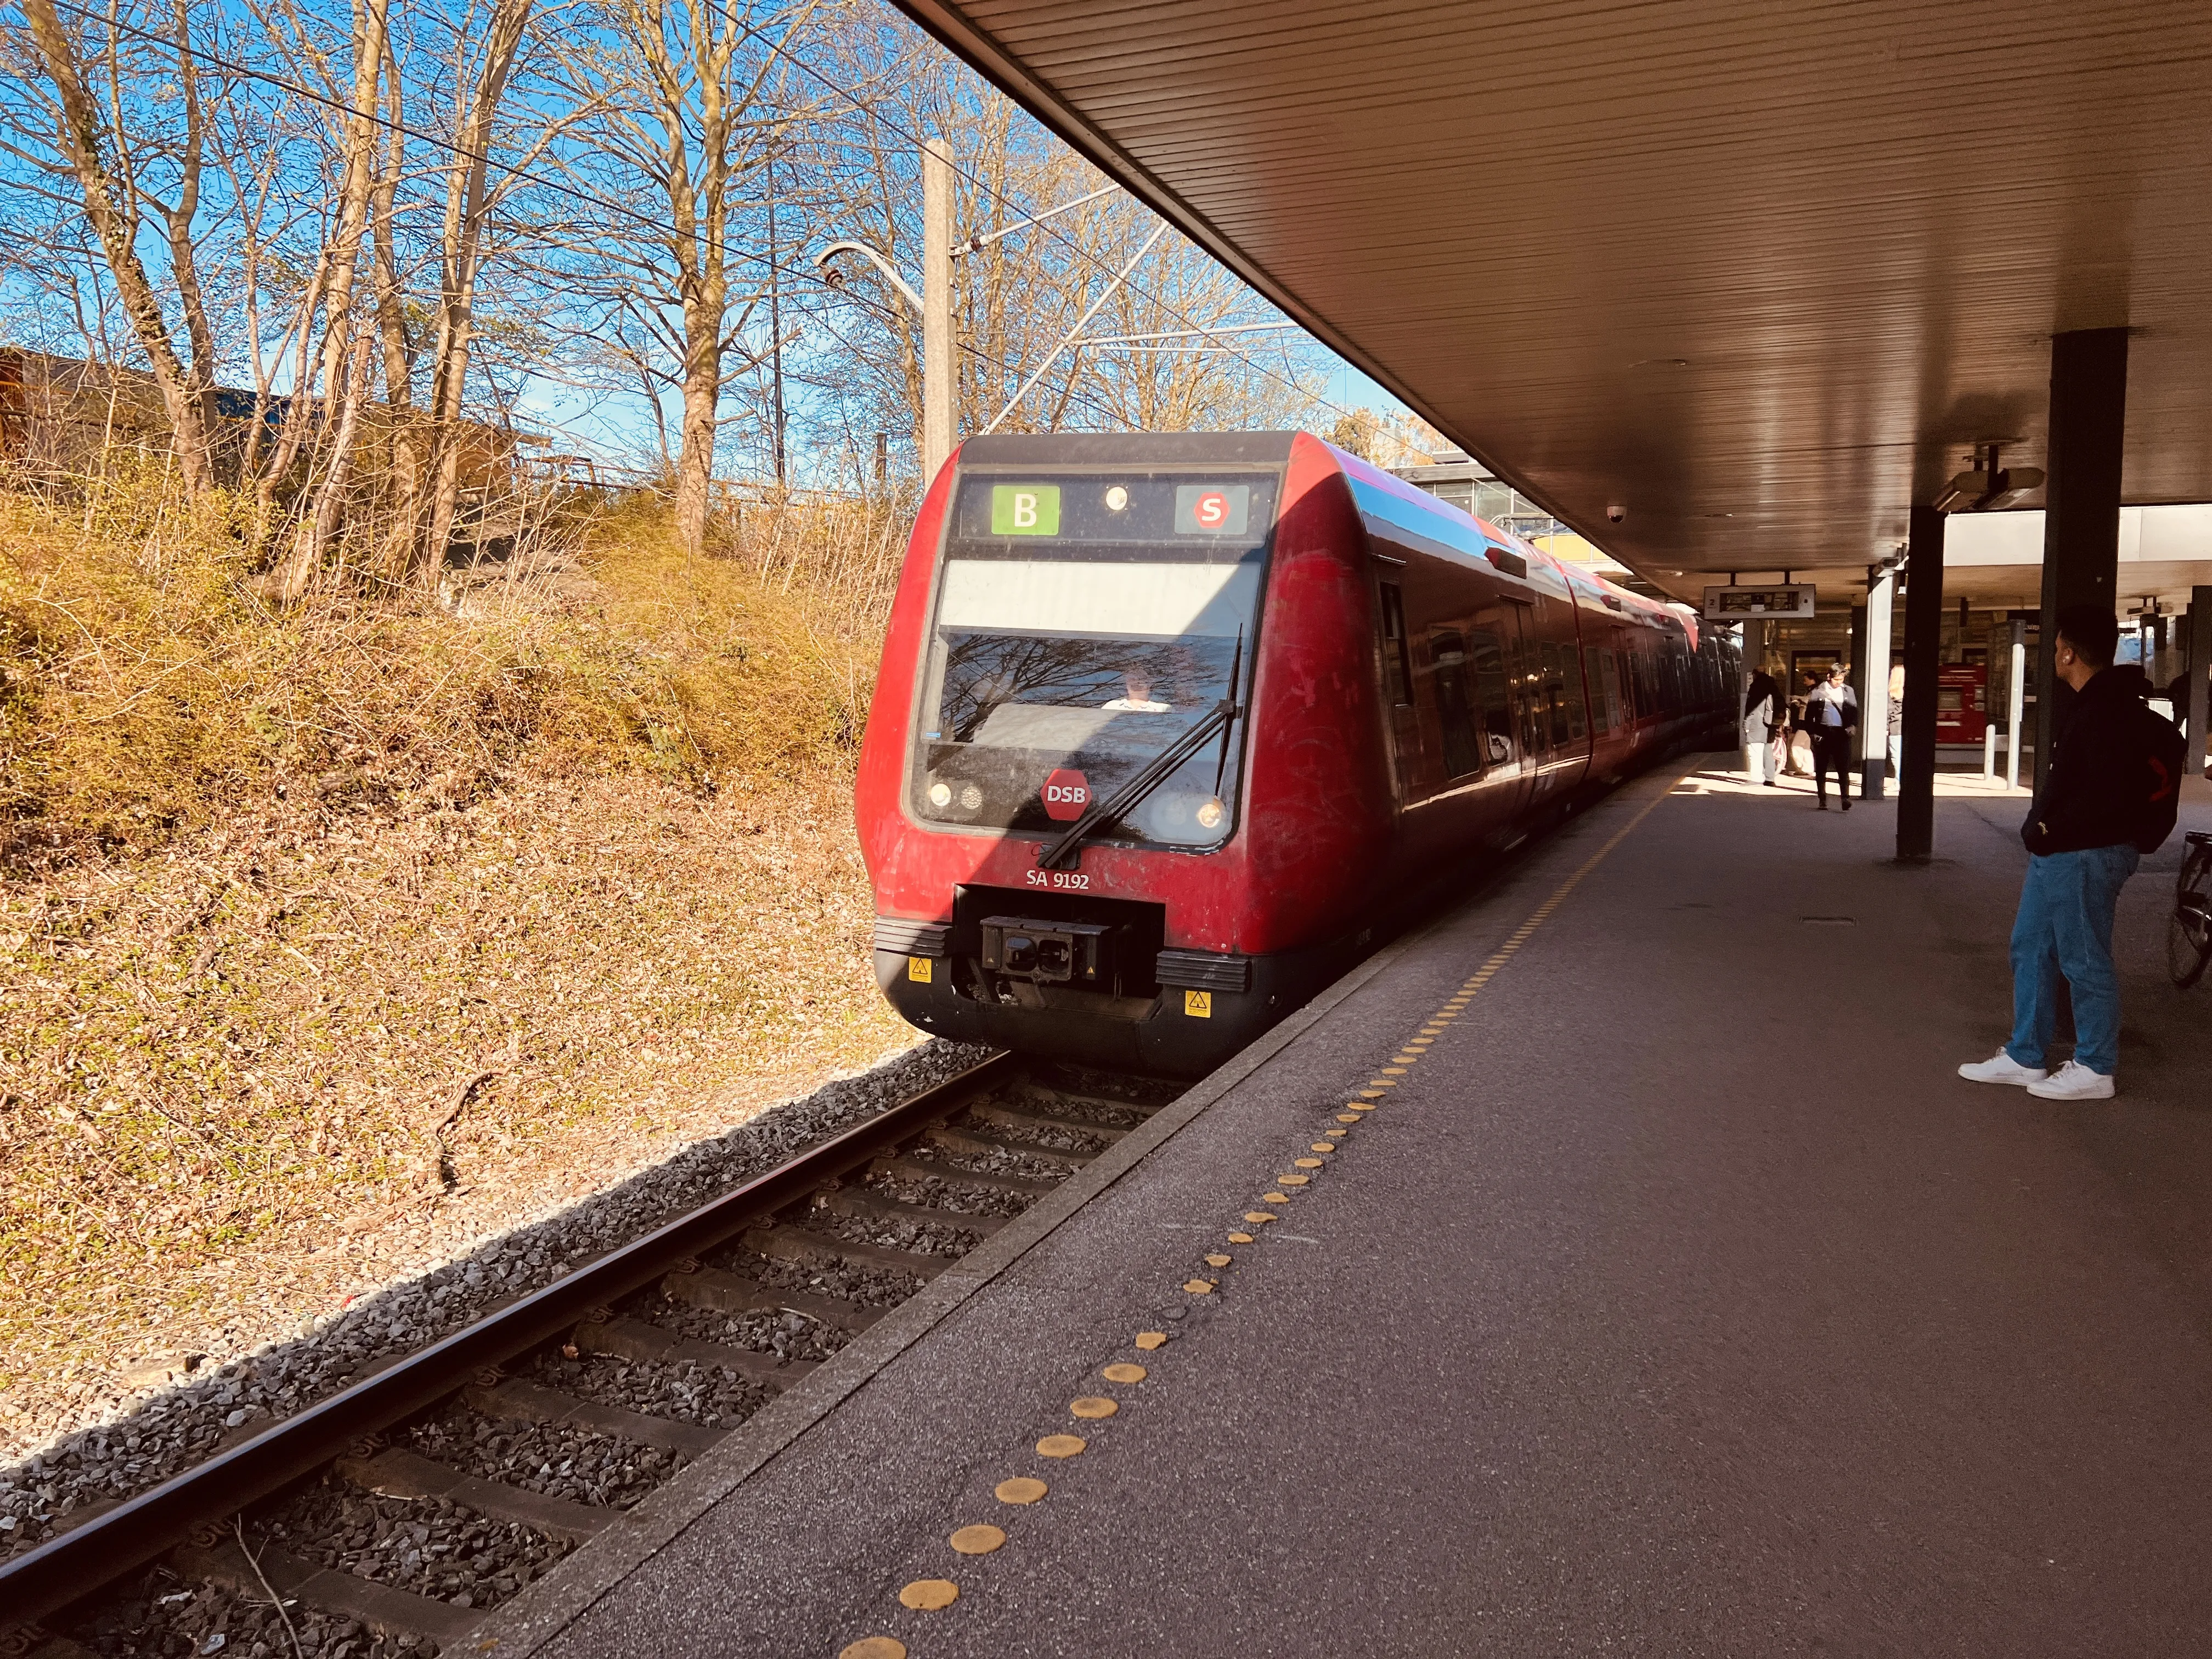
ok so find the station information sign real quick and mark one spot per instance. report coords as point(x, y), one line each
point(1753, 603)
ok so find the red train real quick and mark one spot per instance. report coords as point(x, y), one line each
point(1171, 727)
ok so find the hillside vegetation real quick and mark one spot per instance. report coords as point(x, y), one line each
point(325, 929)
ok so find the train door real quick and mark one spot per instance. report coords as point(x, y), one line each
point(1532, 722)
point(1493, 649)
point(1568, 698)
point(1554, 722)
point(1396, 653)
point(1458, 725)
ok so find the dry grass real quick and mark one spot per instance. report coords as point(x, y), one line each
point(148, 686)
point(283, 888)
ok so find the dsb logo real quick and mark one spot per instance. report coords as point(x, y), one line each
point(1066, 792)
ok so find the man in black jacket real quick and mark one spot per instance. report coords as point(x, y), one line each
point(1832, 712)
point(2109, 789)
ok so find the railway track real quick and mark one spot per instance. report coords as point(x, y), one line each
point(356, 1517)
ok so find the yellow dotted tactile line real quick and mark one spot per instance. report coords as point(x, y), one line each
point(933, 1595)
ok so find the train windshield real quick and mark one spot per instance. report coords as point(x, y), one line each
point(1085, 623)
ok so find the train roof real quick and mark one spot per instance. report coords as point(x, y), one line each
point(1404, 512)
point(1149, 448)
point(1391, 508)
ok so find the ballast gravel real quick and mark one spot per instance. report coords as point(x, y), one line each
point(962, 1197)
point(894, 1232)
point(877, 1287)
point(145, 1445)
point(999, 1160)
point(677, 1388)
point(1048, 1137)
point(545, 1457)
point(784, 1333)
point(164, 1617)
point(429, 1547)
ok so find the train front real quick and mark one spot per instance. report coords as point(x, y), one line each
point(1052, 795)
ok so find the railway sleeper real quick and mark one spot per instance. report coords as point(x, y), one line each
point(1024, 1117)
point(396, 1472)
point(636, 1339)
point(914, 1169)
point(59, 1647)
point(384, 1609)
point(720, 1291)
point(533, 1402)
point(788, 1244)
point(977, 1141)
point(858, 1200)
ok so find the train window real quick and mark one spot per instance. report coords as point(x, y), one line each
point(1455, 708)
point(1609, 678)
point(1067, 654)
point(1492, 695)
point(1397, 670)
point(1594, 673)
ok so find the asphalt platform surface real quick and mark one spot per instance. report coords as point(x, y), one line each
point(1680, 1300)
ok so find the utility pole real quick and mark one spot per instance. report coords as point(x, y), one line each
point(776, 323)
point(937, 383)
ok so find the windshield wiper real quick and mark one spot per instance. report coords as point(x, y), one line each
point(1125, 799)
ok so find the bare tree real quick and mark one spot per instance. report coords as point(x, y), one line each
point(93, 144)
point(470, 198)
point(699, 100)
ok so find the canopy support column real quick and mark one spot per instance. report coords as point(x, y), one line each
point(2082, 502)
point(1924, 641)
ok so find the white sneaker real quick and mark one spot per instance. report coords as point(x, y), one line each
point(2073, 1081)
point(2002, 1067)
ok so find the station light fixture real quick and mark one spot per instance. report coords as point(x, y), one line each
point(1989, 488)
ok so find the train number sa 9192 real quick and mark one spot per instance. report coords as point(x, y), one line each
point(1069, 878)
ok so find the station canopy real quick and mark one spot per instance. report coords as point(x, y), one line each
point(1752, 277)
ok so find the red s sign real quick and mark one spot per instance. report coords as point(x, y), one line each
point(1211, 510)
point(1066, 792)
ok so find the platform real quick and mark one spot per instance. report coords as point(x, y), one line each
point(1679, 1299)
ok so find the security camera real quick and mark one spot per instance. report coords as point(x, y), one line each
point(1615, 513)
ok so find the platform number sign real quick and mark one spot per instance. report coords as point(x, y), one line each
point(1198, 1004)
point(1025, 509)
point(1213, 509)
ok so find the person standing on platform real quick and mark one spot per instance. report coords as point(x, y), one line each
point(1799, 738)
point(1897, 721)
point(1832, 713)
point(2110, 795)
point(1762, 714)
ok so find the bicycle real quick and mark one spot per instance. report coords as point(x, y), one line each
point(2188, 930)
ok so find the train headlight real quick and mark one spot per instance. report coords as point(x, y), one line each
point(1211, 815)
point(940, 794)
point(1116, 499)
point(971, 798)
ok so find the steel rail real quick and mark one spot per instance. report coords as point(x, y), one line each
point(78, 1562)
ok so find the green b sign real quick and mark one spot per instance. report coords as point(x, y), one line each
point(1025, 509)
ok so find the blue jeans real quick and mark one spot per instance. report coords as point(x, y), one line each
point(2065, 927)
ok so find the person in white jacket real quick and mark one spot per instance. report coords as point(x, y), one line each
point(1762, 714)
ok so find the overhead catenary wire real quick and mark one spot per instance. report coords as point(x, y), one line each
point(985, 188)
